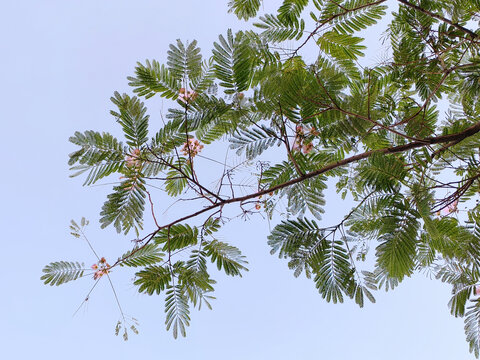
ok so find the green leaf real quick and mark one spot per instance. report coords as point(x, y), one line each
point(153, 279)
point(290, 10)
point(334, 275)
point(100, 154)
point(60, 272)
point(177, 312)
point(228, 257)
point(177, 178)
point(233, 62)
point(254, 141)
point(132, 117)
point(184, 62)
point(244, 9)
point(154, 78)
point(276, 30)
point(341, 46)
point(472, 327)
point(124, 207)
point(141, 256)
point(396, 253)
point(177, 237)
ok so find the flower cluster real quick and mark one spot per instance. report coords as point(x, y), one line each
point(192, 147)
point(299, 144)
point(133, 160)
point(187, 95)
point(101, 268)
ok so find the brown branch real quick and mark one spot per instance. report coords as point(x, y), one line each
point(151, 208)
point(439, 17)
point(472, 130)
point(283, 130)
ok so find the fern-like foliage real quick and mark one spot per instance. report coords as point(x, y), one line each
point(227, 257)
point(132, 117)
point(141, 256)
point(153, 279)
point(254, 141)
point(472, 327)
point(276, 30)
point(233, 62)
point(124, 207)
point(195, 279)
point(301, 241)
point(244, 9)
point(176, 310)
point(99, 154)
point(153, 78)
point(298, 124)
point(290, 10)
point(177, 237)
point(334, 275)
point(396, 253)
point(184, 62)
point(60, 272)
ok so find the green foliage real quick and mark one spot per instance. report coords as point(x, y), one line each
point(154, 78)
point(333, 274)
point(153, 279)
point(177, 237)
point(184, 62)
point(124, 207)
point(290, 10)
point(100, 154)
point(297, 126)
point(234, 62)
point(472, 327)
point(341, 46)
point(131, 116)
point(176, 309)
point(244, 9)
point(276, 30)
point(141, 256)
point(254, 141)
point(228, 257)
point(60, 272)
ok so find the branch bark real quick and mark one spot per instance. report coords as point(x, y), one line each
point(457, 137)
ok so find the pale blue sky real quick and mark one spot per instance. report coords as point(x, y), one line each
point(61, 62)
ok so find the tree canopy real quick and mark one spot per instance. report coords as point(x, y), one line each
point(399, 137)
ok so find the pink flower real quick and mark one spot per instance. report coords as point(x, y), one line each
point(476, 290)
point(299, 130)
point(192, 147)
point(94, 266)
point(133, 160)
point(307, 148)
point(186, 95)
point(297, 145)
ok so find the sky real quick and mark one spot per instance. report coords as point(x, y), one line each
point(61, 62)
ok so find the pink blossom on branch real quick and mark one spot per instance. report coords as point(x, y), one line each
point(186, 95)
point(133, 160)
point(192, 147)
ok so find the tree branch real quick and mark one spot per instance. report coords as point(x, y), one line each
point(472, 130)
point(439, 17)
